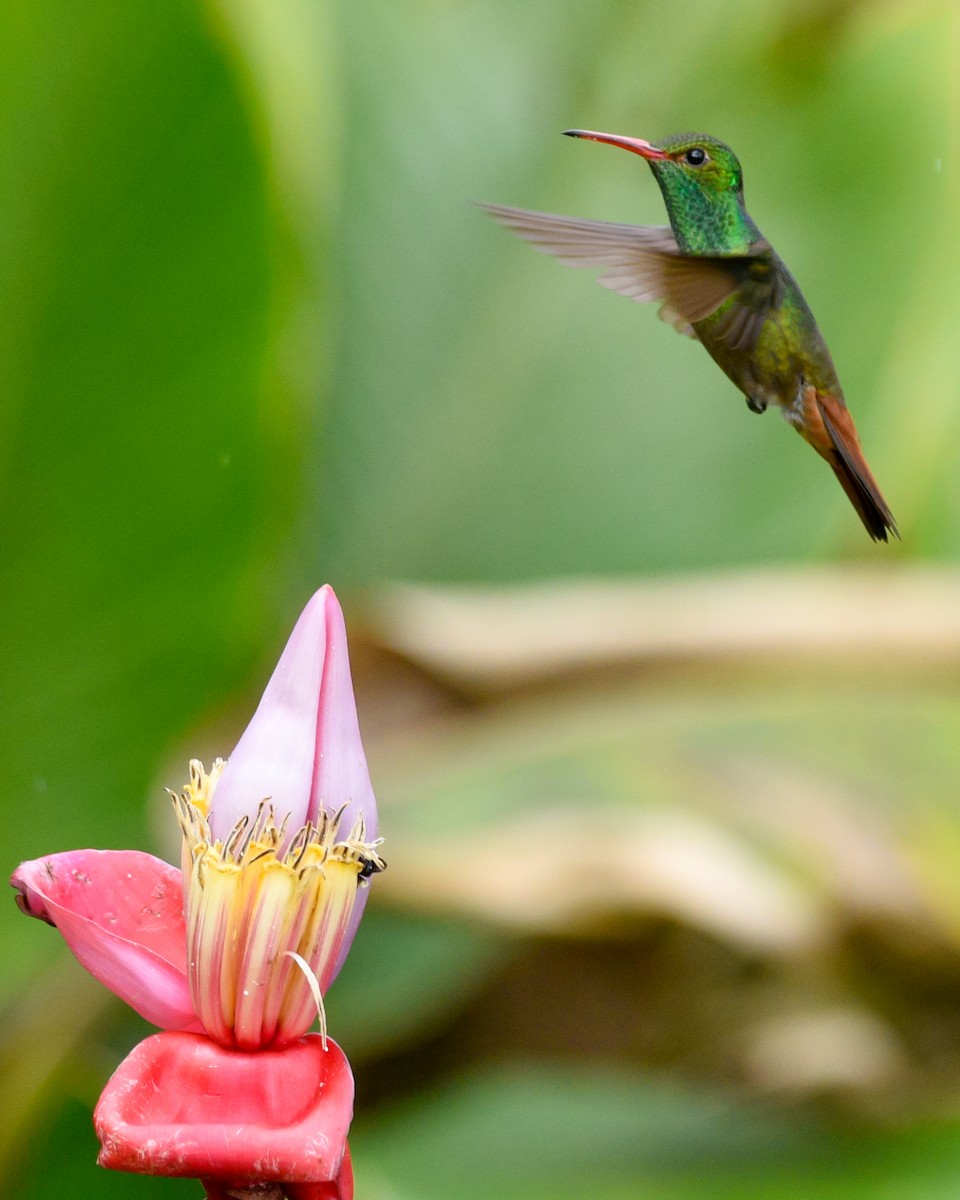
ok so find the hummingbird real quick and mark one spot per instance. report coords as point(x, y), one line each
point(719, 280)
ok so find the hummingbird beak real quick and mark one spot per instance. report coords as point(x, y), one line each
point(634, 145)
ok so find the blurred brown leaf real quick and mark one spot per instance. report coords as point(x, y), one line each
point(483, 639)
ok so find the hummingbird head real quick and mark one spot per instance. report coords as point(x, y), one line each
point(702, 185)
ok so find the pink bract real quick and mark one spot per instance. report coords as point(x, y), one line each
point(121, 913)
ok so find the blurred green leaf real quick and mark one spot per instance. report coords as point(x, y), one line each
point(535, 1131)
point(137, 477)
point(532, 1133)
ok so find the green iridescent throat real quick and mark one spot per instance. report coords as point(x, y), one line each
point(705, 203)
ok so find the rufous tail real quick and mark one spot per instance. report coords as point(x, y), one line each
point(839, 445)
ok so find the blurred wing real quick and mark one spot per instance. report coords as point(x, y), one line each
point(759, 291)
point(643, 262)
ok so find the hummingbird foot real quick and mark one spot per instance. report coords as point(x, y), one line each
point(756, 404)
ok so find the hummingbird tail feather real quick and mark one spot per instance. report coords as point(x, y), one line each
point(850, 467)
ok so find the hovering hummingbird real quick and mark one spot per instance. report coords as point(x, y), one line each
point(720, 281)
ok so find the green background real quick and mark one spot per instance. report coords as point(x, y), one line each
point(256, 337)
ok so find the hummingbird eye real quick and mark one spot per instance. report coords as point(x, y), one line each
point(696, 156)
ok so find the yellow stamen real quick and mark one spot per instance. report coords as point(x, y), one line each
point(266, 915)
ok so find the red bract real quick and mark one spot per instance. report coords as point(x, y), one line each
point(179, 1104)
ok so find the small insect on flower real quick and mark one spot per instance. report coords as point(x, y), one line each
point(370, 865)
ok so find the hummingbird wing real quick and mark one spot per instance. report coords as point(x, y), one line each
point(643, 262)
point(759, 290)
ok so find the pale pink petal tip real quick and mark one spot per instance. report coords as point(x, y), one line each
point(274, 758)
point(121, 913)
point(341, 778)
point(182, 1105)
point(302, 749)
